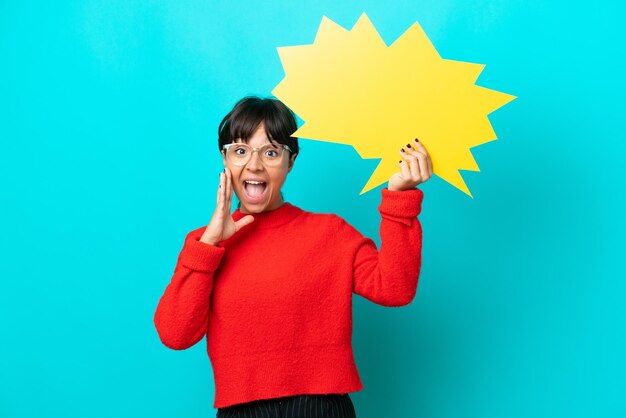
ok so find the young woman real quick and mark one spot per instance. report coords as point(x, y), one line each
point(270, 286)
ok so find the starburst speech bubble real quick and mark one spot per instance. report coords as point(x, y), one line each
point(351, 88)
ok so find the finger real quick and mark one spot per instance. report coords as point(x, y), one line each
point(421, 148)
point(229, 189)
point(224, 191)
point(217, 194)
point(423, 165)
point(413, 165)
point(226, 194)
point(413, 149)
point(220, 193)
point(246, 220)
point(404, 168)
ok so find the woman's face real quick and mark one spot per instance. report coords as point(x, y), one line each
point(273, 177)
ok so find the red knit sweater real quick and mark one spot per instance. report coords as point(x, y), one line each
point(275, 300)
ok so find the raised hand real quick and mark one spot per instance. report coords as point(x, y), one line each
point(416, 167)
point(222, 225)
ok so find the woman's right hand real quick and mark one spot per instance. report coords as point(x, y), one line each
point(222, 225)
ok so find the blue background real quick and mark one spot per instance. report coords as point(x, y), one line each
point(108, 123)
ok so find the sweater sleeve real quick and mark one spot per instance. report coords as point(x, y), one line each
point(389, 277)
point(181, 316)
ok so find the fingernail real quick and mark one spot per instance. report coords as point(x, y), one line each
point(408, 145)
point(401, 149)
point(400, 161)
point(417, 140)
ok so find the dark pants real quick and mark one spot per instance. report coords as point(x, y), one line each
point(298, 406)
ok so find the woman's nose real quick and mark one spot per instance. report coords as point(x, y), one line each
point(255, 161)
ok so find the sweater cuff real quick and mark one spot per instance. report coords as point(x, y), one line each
point(404, 204)
point(198, 255)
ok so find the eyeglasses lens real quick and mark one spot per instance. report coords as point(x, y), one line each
point(240, 154)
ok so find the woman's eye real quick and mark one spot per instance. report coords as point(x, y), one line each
point(243, 151)
point(272, 153)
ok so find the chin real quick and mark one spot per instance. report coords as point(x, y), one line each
point(252, 208)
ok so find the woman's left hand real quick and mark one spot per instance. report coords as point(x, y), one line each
point(416, 167)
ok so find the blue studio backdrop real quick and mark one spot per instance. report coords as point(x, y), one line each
point(108, 157)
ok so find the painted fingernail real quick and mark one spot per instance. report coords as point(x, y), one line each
point(417, 140)
point(401, 149)
point(408, 145)
point(400, 161)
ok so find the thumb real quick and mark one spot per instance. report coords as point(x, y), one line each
point(246, 220)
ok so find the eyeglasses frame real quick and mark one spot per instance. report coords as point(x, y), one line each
point(254, 149)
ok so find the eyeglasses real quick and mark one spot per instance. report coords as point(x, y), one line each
point(240, 154)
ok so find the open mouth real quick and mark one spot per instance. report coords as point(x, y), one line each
point(254, 190)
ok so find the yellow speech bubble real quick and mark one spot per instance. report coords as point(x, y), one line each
point(351, 88)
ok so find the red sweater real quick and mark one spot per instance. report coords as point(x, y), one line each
point(275, 300)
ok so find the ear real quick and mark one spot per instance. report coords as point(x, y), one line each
point(223, 158)
point(292, 160)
